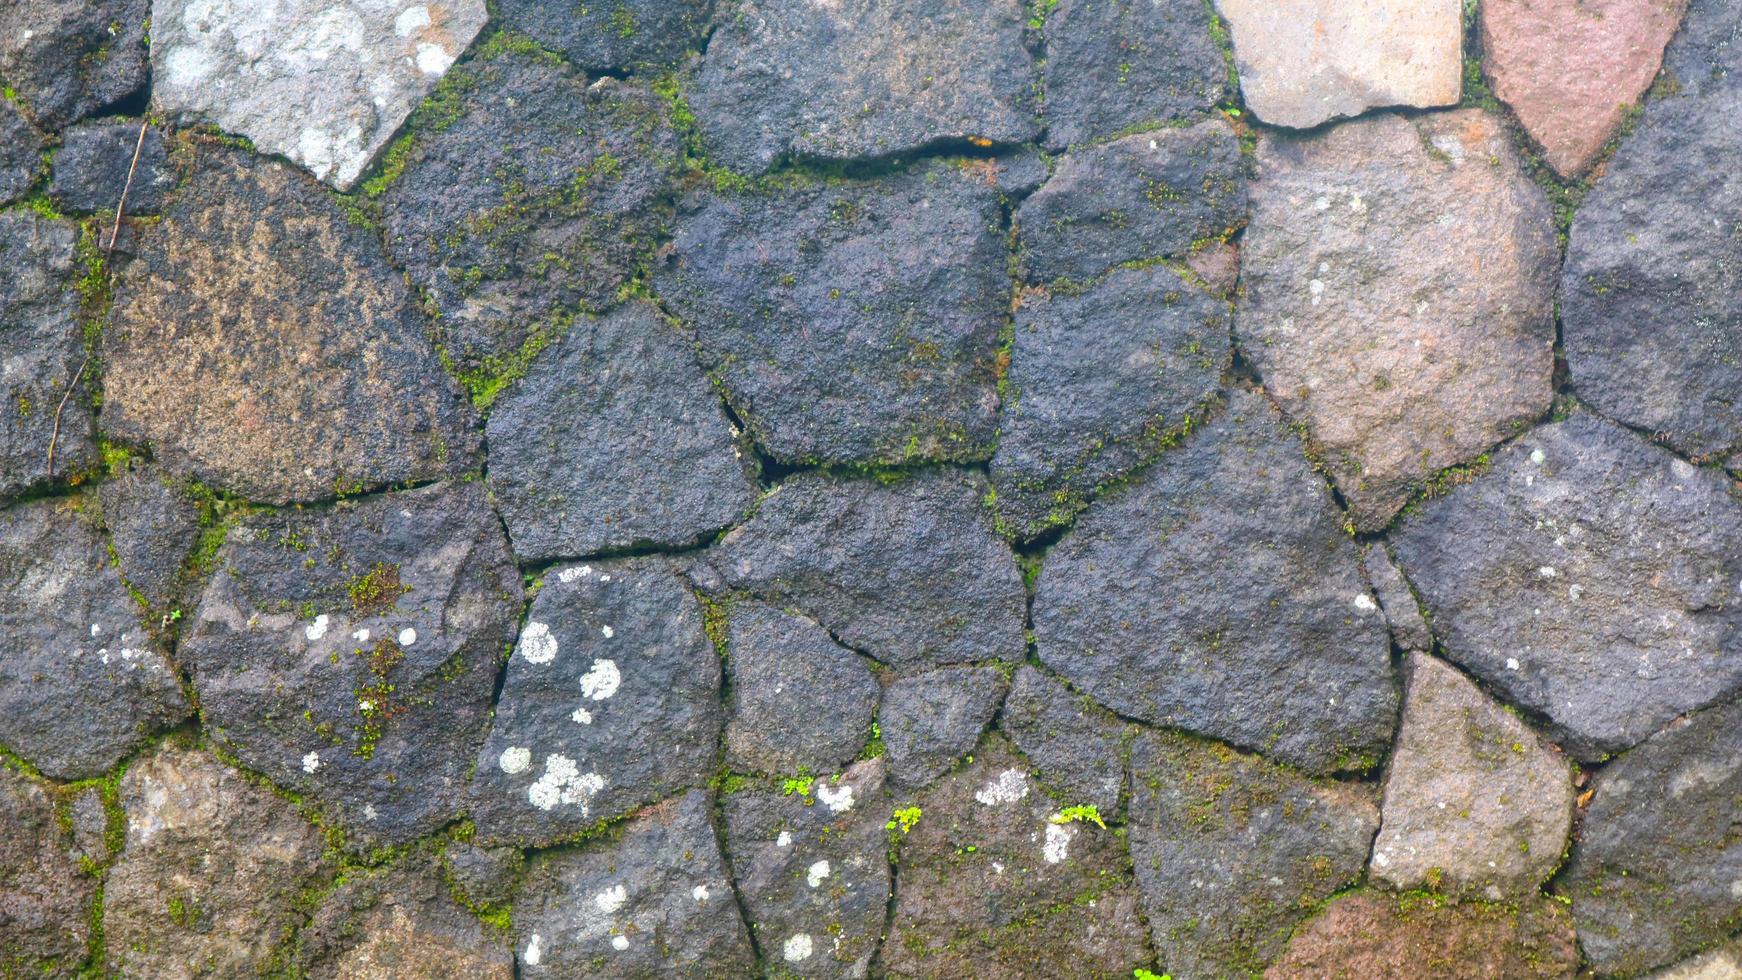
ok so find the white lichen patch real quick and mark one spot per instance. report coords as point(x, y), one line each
point(818, 873)
point(839, 799)
point(1365, 603)
point(407, 636)
point(611, 899)
point(1008, 787)
point(798, 948)
point(601, 681)
point(316, 629)
point(568, 575)
point(537, 645)
point(361, 636)
point(1058, 843)
point(515, 759)
point(700, 893)
point(534, 951)
point(608, 631)
point(563, 782)
point(784, 840)
point(581, 716)
point(311, 762)
point(619, 942)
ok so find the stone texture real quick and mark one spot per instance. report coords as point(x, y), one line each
point(351, 653)
point(653, 464)
point(1657, 873)
point(612, 36)
point(1586, 577)
point(1572, 69)
point(1077, 748)
point(1475, 803)
point(1098, 384)
point(527, 194)
point(66, 59)
point(930, 720)
point(483, 876)
point(1398, 604)
point(611, 702)
point(1115, 66)
point(1219, 594)
point(1706, 54)
point(1231, 852)
point(799, 701)
point(44, 897)
point(89, 822)
point(263, 344)
point(210, 876)
point(851, 321)
point(1303, 62)
point(153, 524)
point(399, 923)
point(90, 169)
point(989, 885)
point(20, 152)
point(1378, 937)
point(1399, 291)
point(814, 876)
point(41, 347)
point(841, 81)
point(1147, 196)
point(654, 901)
point(908, 572)
point(81, 684)
point(1723, 963)
point(325, 84)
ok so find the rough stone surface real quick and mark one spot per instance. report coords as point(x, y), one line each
point(1147, 196)
point(350, 654)
point(1219, 594)
point(1658, 870)
point(325, 84)
point(1114, 66)
point(799, 701)
point(1376, 936)
point(89, 822)
point(211, 872)
point(1231, 851)
point(842, 81)
point(66, 59)
point(1030, 898)
point(612, 36)
point(1399, 292)
point(1402, 613)
point(1474, 801)
point(654, 901)
point(484, 876)
point(91, 166)
point(44, 897)
point(814, 876)
point(1706, 55)
point(1571, 69)
point(399, 923)
point(153, 524)
point(263, 344)
point(656, 463)
point(908, 572)
point(81, 684)
point(851, 321)
point(612, 701)
point(1077, 748)
point(527, 194)
point(1098, 384)
point(20, 153)
point(1723, 963)
point(1588, 577)
point(932, 719)
point(1303, 62)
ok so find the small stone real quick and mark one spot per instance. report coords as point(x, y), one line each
point(852, 321)
point(1077, 747)
point(1402, 613)
point(799, 700)
point(611, 702)
point(1219, 594)
point(798, 79)
point(1303, 62)
point(153, 524)
point(484, 876)
point(89, 820)
point(324, 84)
point(1475, 803)
point(399, 923)
point(1367, 318)
point(616, 36)
point(931, 720)
point(20, 152)
point(908, 572)
point(1587, 577)
point(66, 59)
point(91, 167)
point(1148, 196)
point(629, 905)
point(1723, 963)
point(1377, 936)
point(44, 920)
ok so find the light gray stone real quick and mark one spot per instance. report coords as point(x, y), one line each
point(1409, 629)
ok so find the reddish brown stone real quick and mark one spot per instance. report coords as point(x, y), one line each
point(1377, 937)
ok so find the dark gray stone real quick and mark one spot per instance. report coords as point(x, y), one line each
point(612, 701)
point(932, 719)
point(1707, 54)
point(1402, 613)
point(1098, 384)
point(81, 684)
point(400, 923)
point(611, 35)
point(89, 821)
point(20, 153)
point(909, 572)
point(66, 59)
point(1232, 852)
point(1588, 576)
point(351, 653)
point(153, 524)
point(1077, 748)
point(851, 321)
point(613, 440)
point(799, 699)
point(45, 901)
point(484, 876)
point(90, 168)
point(1220, 594)
point(652, 901)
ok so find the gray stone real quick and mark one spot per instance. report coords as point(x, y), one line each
point(1366, 314)
point(799, 700)
point(81, 685)
point(1723, 963)
point(350, 653)
point(66, 59)
point(263, 344)
point(842, 81)
point(1409, 630)
point(1369, 935)
point(654, 900)
point(908, 572)
point(89, 821)
point(1077, 748)
point(1586, 577)
point(1152, 195)
point(814, 874)
point(930, 720)
point(91, 166)
point(325, 84)
point(43, 348)
point(398, 923)
point(485, 877)
point(613, 35)
point(654, 462)
point(1099, 383)
point(153, 525)
point(1706, 55)
point(45, 898)
point(1232, 852)
point(1475, 802)
point(1220, 594)
point(612, 701)
point(851, 321)
point(20, 153)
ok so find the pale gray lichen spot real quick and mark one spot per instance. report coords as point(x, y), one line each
point(1010, 785)
point(515, 759)
point(798, 948)
point(537, 645)
point(602, 681)
point(839, 799)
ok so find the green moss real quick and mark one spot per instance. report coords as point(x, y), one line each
point(494, 373)
point(1071, 814)
point(376, 591)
